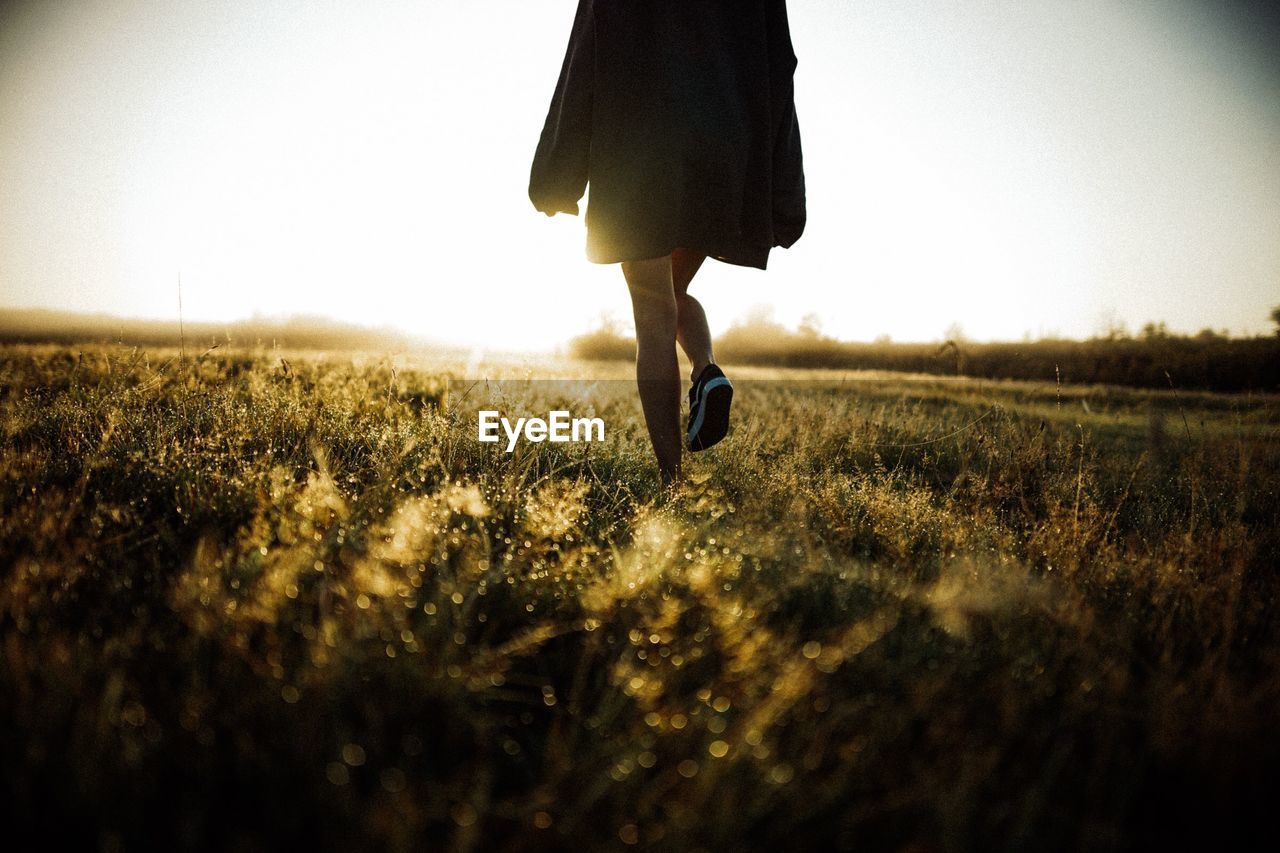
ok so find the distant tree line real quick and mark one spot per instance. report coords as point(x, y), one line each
point(38, 325)
point(1155, 358)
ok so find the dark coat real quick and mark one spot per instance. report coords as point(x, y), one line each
point(680, 115)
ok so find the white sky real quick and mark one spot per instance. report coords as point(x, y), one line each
point(1014, 166)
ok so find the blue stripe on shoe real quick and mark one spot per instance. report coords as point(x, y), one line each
point(696, 427)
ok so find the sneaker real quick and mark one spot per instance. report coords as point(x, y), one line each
point(709, 400)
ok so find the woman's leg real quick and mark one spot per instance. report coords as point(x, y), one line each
point(653, 302)
point(691, 321)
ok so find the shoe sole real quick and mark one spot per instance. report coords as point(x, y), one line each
point(712, 423)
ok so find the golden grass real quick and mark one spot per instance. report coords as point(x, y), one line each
point(251, 600)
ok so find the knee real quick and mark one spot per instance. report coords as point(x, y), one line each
point(652, 304)
point(656, 318)
point(653, 299)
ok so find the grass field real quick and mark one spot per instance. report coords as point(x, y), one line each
point(253, 600)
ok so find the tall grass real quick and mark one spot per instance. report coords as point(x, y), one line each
point(251, 602)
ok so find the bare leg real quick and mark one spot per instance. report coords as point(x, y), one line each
point(691, 326)
point(653, 302)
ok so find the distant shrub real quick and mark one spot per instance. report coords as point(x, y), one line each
point(1206, 361)
point(1156, 360)
point(604, 343)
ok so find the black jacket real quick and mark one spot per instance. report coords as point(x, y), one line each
point(680, 115)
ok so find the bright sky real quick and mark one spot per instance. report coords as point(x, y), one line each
point(1014, 166)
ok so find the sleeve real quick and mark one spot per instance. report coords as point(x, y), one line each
point(558, 177)
point(789, 209)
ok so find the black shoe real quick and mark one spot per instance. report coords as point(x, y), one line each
point(709, 400)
